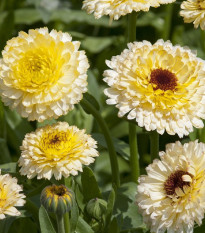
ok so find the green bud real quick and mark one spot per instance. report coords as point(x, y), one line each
point(57, 199)
point(96, 208)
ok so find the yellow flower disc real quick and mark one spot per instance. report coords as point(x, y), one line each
point(58, 150)
point(42, 74)
point(161, 86)
point(10, 196)
point(117, 8)
point(194, 11)
point(171, 195)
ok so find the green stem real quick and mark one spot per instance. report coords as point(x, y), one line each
point(168, 21)
point(154, 144)
point(60, 223)
point(67, 223)
point(134, 157)
point(132, 26)
point(110, 145)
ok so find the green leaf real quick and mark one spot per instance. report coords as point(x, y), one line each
point(92, 101)
point(110, 206)
point(121, 147)
point(45, 222)
point(5, 155)
point(89, 185)
point(126, 211)
point(96, 44)
point(83, 227)
point(79, 16)
point(8, 167)
point(74, 216)
point(114, 226)
point(27, 16)
point(2, 121)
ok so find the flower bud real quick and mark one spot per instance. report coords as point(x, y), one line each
point(57, 199)
point(96, 208)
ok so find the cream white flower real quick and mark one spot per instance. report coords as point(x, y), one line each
point(161, 86)
point(58, 150)
point(117, 8)
point(42, 74)
point(194, 11)
point(10, 196)
point(172, 195)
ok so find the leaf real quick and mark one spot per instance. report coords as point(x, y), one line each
point(114, 226)
point(83, 227)
point(45, 222)
point(27, 16)
point(110, 206)
point(121, 147)
point(74, 216)
point(96, 44)
point(5, 155)
point(8, 167)
point(126, 211)
point(92, 100)
point(89, 185)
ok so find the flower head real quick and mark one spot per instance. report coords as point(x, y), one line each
point(58, 150)
point(172, 195)
point(57, 199)
point(10, 196)
point(194, 11)
point(117, 8)
point(42, 74)
point(161, 86)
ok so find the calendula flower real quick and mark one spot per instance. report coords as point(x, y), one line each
point(58, 150)
point(171, 197)
point(194, 11)
point(57, 199)
point(10, 196)
point(117, 8)
point(42, 74)
point(161, 86)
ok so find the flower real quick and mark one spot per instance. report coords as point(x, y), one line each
point(10, 196)
point(42, 74)
point(117, 8)
point(161, 86)
point(57, 199)
point(172, 195)
point(194, 11)
point(58, 150)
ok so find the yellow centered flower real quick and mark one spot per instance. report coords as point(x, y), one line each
point(194, 11)
point(57, 199)
point(58, 150)
point(117, 8)
point(42, 74)
point(161, 86)
point(10, 196)
point(171, 195)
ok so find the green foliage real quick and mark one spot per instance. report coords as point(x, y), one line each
point(45, 222)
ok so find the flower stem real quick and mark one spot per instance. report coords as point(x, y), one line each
point(154, 144)
point(167, 23)
point(110, 145)
point(134, 157)
point(60, 223)
point(67, 223)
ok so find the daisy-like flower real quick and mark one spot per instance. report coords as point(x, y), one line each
point(58, 150)
point(10, 196)
point(42, 74)
point(172, 195)
point(194, 11)
point(161, 86)
point(117, 8)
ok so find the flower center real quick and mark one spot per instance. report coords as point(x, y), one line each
point(176, 180)
point(57, 144)
point(163, 79)
point(58, 190)
point(3, 198)
point(36, 70)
